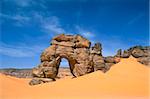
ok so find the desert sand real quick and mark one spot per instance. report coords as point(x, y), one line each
point(126, 80)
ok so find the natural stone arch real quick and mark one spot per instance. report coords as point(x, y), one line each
point(71, 63)
point(74, 48)
point(82, 58)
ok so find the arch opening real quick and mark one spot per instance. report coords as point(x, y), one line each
point(75, 49)
point(64, 68)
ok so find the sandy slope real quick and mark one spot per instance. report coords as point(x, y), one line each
point(126, 80)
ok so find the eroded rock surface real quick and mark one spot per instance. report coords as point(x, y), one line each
point(141, 53)
point(74, 48)
point(82, 58)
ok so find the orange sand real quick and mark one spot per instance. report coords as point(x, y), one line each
point(125, 80)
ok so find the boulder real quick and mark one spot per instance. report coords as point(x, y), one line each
point(36, 81)
point(144, 60)
point(137, 53)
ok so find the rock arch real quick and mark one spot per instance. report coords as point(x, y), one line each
point(75, 49)
point(82, 58)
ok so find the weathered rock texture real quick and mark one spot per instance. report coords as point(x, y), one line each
point(141, 53)
point(27, 73)
point(82, 58)
point(75, 49)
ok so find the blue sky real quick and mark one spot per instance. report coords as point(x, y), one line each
point(27, 26)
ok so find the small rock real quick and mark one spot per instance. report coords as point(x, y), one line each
point(36, 81)
point(137, 53)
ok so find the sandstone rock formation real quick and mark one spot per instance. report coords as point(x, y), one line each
point(141, 53)
point(75, 49)
point(82, 58)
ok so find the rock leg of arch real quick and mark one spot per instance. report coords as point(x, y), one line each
point(82, 58)
point(74, 48)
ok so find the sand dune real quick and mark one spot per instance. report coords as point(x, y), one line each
point(126, 80)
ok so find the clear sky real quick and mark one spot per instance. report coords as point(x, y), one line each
point(27, 26)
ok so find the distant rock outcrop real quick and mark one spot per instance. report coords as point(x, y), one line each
point(19, 73)
point(82, 58)
point(141, 53)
